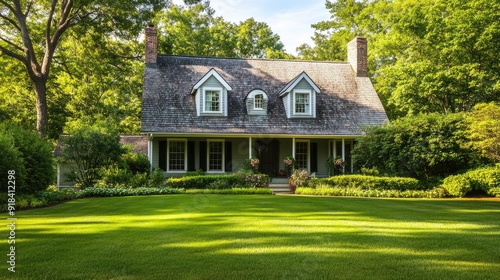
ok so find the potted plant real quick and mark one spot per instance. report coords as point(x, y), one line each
point(289, 165)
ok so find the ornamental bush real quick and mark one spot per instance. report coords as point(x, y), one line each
point(327, 190)
point(370, 182)
point(485, 180)
point(226, 181)
point(29, 156)
point(421, 147)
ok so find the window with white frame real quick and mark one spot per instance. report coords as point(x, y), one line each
point(216, 155)
point(177, 155)
point(213, 100)
point(302, 154)
point(302, 102)
point(258, 101)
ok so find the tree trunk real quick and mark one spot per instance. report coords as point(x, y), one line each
point(42, 117)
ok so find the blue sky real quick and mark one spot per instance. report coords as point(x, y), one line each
point(290, 19)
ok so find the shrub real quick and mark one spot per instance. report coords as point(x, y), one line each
point(90, 149)
point(157, 178)
point(107, 192)
point(10, 159)
point(457, 185)
point(485, 180)
point(134, 162)
point(231, 191)
point(371, 182)
point(219, 181)
point(299, 177)
point(326, 190)
point(422, 146)
point(35, 155)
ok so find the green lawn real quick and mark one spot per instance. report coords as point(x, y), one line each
point(257, 237)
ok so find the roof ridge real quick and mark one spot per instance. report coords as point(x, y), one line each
point(256, 59)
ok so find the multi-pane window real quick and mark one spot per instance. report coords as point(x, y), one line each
point(302, 154)
point(212, 101)
point(216, 156)
point(259, 101)
point(302, 103)
point(177, 155)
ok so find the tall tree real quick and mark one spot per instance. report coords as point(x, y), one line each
point(424, 55)
point(32, 31)
point(195, 30)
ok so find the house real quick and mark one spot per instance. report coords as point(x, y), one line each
point(139, 144)
point(213, 113)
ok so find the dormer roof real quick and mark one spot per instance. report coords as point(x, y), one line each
point(295, 81)
point(211, 73)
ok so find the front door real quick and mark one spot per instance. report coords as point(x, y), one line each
point(268, 154)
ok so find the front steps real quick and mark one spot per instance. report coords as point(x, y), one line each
point(280, 186)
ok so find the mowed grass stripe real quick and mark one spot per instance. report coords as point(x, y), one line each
point(258, 237)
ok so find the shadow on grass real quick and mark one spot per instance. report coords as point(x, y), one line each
point(260, 237)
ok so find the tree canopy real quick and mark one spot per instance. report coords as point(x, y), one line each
point(425, 56)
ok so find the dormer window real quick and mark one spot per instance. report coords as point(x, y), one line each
point(256, 102)
point(302, 104)
point(211, 95)
point(212, 99)
point(299, 97)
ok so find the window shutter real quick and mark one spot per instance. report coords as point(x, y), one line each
point(203, 156)
point(162, 155)
point(314, 157)
point(228, 156)
point(191, 156)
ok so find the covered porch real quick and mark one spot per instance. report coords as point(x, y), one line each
point(217, 154)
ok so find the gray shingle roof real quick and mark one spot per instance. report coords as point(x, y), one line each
point(344, 105)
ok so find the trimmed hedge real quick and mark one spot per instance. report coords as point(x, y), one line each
point(231, 191)
point(325, 190)
point(217, 182)
point(366, 182)
point(108, 192)
point(485, 180)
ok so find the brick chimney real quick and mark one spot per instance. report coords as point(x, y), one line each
point(151, 45)
point(357, 56)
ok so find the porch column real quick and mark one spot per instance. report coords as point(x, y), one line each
point(250, 147)
point(293, 147)
point(150, 152)
point(343, 153)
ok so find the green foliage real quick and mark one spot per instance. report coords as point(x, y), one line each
point(424, 56)
point(107, 192)
point(10, 159)
point(33, 153)
point(89, 150)
point(365, 182)
point(250, 165)
point(483, 130)
point(194, 30)
point(299, 177)
point(457, 185)
point(421, 147)
point(157, 178)
point(485, 180)
point(326, 190)
point(240, 180)
point(231, 191)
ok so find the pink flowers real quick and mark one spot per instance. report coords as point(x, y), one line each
point(254, 162)
point(288, 162)
point(339, 162)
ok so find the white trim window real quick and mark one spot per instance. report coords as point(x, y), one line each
point(258, 102)
point(212, 100)
point(302, 102)
point(177, 155)
point(215, 156)
point(302, 152)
